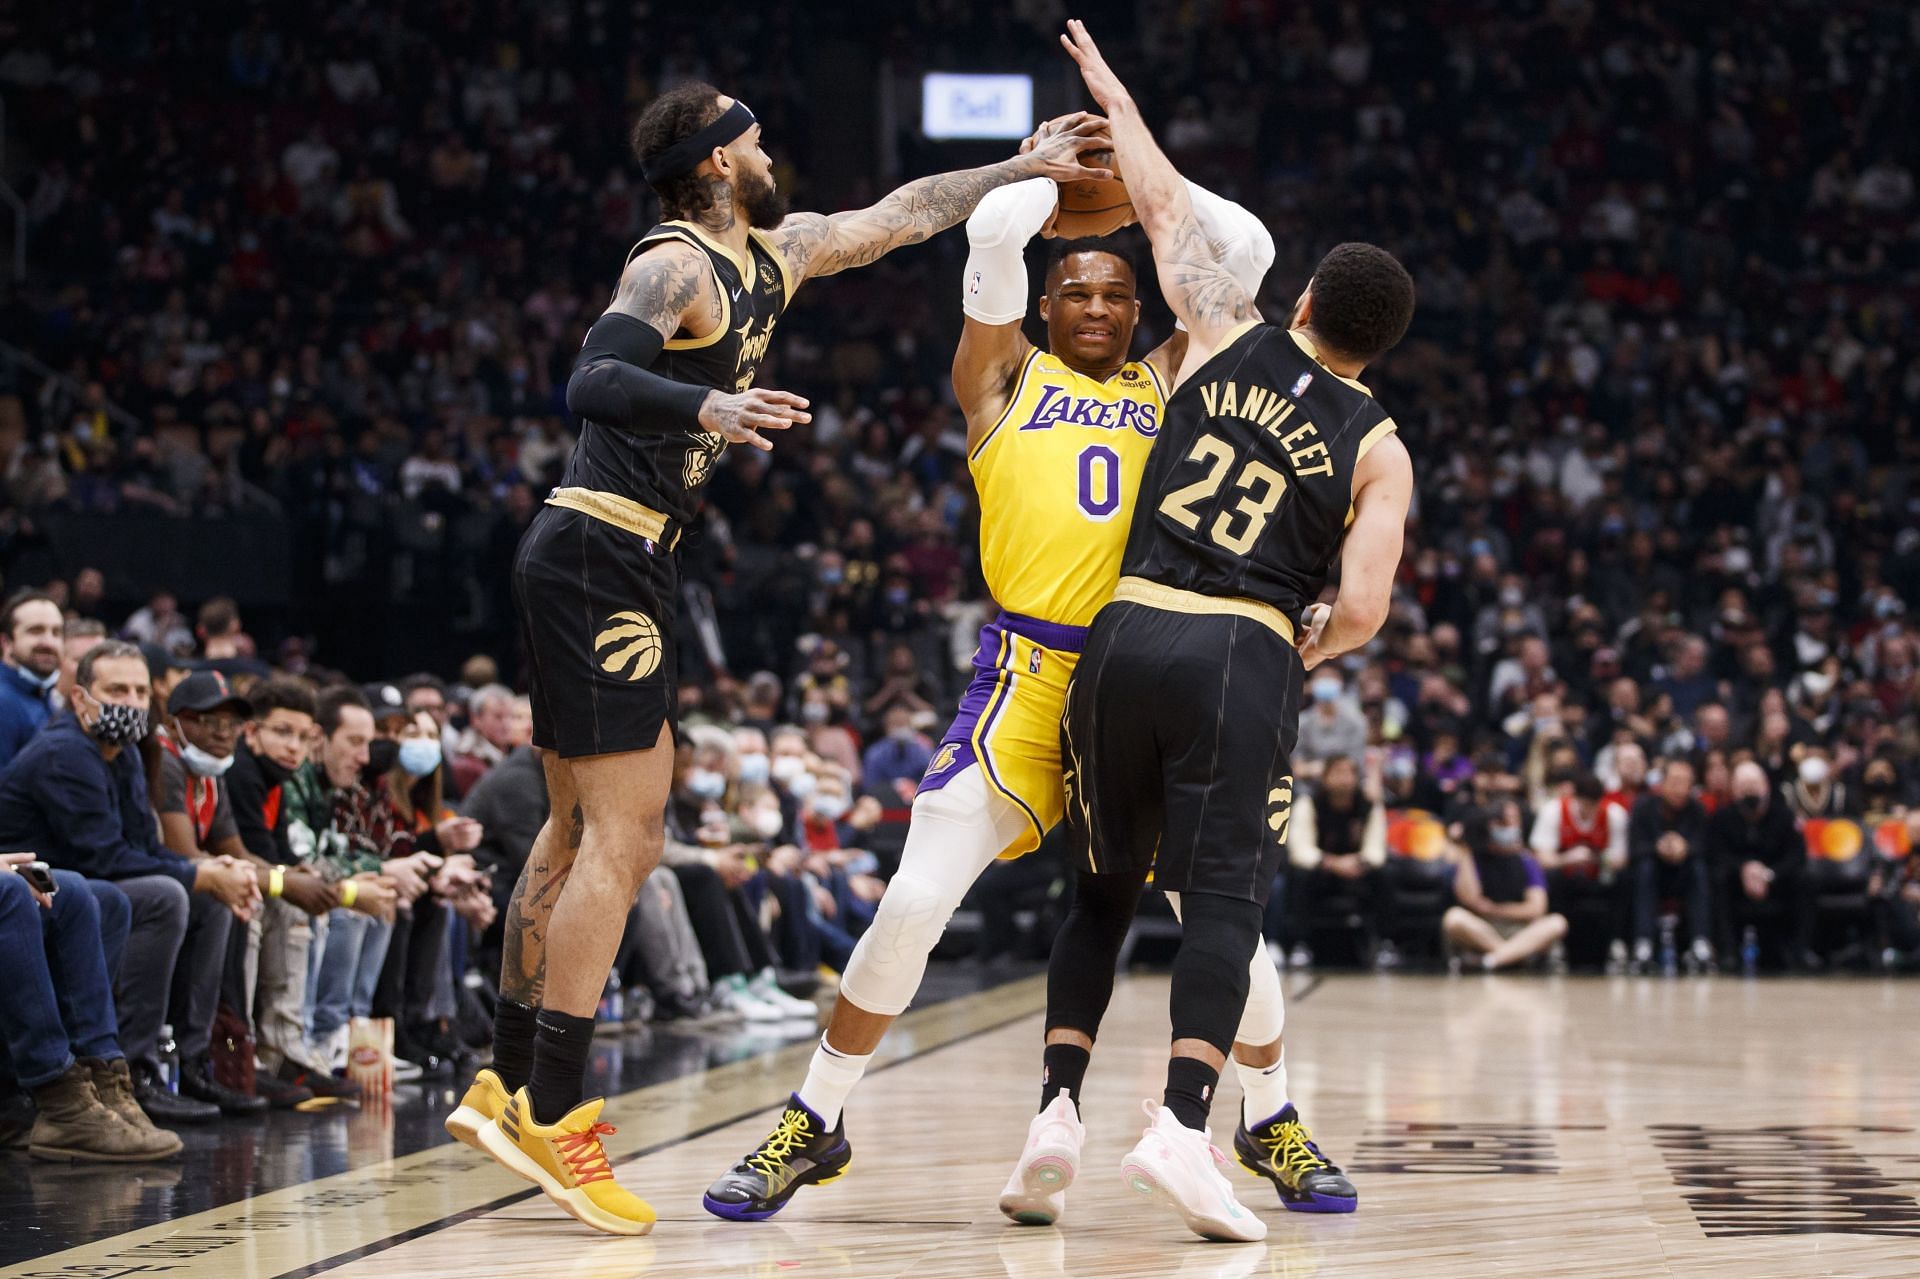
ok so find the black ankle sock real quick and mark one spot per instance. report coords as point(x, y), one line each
point(513, 1029)
point(559, 1073)
point(1190, 1085)
point(1065, 1069)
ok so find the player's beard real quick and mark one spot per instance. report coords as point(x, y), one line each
point(764, 206)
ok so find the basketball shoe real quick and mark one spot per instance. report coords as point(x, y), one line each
point(568, 1162)
point(1178, 1166)
point(798, 1152)
point(1282, 1150)
point(1036, 1194)
point(486, 1099)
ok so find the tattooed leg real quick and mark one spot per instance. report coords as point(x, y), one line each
point(523, 968)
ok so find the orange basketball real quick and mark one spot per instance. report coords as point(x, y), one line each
point(1092, 206)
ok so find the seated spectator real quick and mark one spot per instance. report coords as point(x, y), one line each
point(32, 635)
point(1895, 888)
point(1667, 855)
point(1814, 791)
point(1502, 918)
point(272, 991)
point(334, 826)
point(77, 793)
point(1332, 725)
point(1336, 846)
point(56, 1011)
point(429, 694)
point(510, 805)
point(893, 765)
point(488, 737)
point(1581, 842)
point(196, 820)
point(1759, 863)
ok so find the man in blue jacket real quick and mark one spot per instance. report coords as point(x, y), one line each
point(77, 795)
point(32, 630)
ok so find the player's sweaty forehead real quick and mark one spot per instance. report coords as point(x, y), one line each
point(1092, 270)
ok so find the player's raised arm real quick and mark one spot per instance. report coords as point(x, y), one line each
point(1370, 555)
point(1201, 291)
point(821, 244)
point(663, 291)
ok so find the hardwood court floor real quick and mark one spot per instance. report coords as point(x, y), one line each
point(1610, 1129)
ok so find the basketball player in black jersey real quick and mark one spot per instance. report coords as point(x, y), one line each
point(663, 384)
point(1273, 463)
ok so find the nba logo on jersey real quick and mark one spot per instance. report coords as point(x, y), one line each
point(973, 285)
point(1300, 387)
point(1033, 663)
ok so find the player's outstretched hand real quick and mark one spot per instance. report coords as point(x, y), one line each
point(741, 417)
point(1057, 155)
point(1059, 124)
point(1102, 83)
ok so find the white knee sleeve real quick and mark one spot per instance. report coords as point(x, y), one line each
point(956, 833)
point(1265, 1016)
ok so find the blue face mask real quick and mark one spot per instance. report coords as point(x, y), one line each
point(1325, 690)
point(419, 756)
point(706, 783)
point(754, 769)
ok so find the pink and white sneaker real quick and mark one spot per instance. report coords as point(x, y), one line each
point(1179, 1167)
point(1036, 1194)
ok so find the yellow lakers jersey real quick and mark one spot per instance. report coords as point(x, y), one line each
point(1057, 476)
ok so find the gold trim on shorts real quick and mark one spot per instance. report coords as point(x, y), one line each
point(1138, 590)
point(621, 512)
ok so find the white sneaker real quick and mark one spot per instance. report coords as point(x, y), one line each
point(405, 1072)
point(1036, 1193)
point(732, 993)
point(764, 987)
point(1179, 1167)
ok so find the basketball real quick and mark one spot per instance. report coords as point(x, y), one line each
point(1093, 206)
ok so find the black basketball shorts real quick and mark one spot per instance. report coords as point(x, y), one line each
point(596, 603)
point(1177, 744)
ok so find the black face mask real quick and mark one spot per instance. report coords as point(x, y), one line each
point(382, 755)
point(273, 773)
point(1752, 805)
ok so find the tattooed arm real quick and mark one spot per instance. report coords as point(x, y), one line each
point(1201, 291)
point(666, 290)
point(820, 244)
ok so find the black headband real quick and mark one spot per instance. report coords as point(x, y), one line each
point(685, 155)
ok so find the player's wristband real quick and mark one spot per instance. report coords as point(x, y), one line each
point(276, 881)
point(349, 893)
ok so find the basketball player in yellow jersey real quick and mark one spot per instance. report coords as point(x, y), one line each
point(1057, 441)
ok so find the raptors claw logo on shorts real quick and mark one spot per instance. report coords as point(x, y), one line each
point(1280, 798)
point(634, 642)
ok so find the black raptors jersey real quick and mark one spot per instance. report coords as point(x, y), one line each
point(666, 471)
point(1250, 488)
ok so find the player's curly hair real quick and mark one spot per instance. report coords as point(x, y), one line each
point(1362, 300)
point(670, 118)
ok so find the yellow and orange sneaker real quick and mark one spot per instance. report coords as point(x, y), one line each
point(486, 1097)
point(568, 1162)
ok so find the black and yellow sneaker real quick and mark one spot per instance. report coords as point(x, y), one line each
point(1282, 1150)
point(798, 1152)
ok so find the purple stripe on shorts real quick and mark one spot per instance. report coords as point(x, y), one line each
point(947, 763)
point(1057, 636)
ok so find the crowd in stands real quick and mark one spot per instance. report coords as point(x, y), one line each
point(1655, 631)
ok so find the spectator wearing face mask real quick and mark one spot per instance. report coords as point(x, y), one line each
point(272, 988)
point(32, 632)
point(896, 762)
point(1814, 791)
point(197, 820)
point(77, 794)
point(1336, 846)
point(1760, 864)
point(1333, 725)
point(1666, 851)
point(1502, 917)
